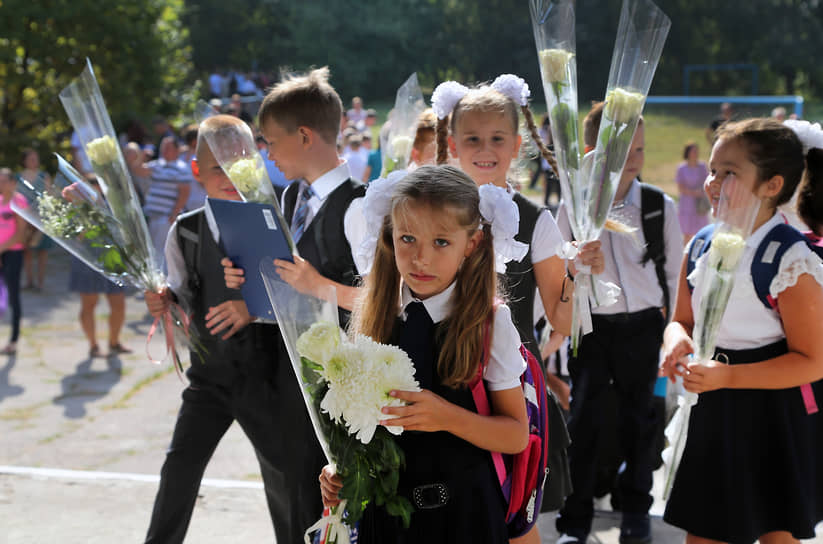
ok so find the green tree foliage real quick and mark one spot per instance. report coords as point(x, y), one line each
point(372, 46)
point(139, 51)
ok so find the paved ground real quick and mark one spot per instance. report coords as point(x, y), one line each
point(83, 440)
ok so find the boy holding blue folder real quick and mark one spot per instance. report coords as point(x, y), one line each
point(300, 119)
point(242, 375)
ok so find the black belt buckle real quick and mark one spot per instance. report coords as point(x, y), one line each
point(430, 496)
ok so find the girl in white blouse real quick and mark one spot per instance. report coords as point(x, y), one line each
point(752, 466)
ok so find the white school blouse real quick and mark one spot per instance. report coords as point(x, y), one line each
point(505, 362)
point(747, 323)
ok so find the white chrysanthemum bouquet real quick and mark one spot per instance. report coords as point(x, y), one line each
point(345, 384)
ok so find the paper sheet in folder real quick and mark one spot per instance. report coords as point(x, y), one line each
point(249, 232)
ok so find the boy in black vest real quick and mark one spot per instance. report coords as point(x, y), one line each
point(243, 374)
point(623, 350)
point(300, 119)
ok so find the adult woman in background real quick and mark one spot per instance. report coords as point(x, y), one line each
point(693, 206)
point(37, 242)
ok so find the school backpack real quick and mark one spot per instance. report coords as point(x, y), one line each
point(765, 266)
point(521, 475)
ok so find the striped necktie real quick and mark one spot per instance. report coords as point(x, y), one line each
point(298, 223)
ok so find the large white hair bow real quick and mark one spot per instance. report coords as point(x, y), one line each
point(448, 94)
point(376, 206)
point(498, 209)
point(513, 87)
point(810, 135)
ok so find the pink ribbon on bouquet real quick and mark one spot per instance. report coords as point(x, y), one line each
point(168, 323)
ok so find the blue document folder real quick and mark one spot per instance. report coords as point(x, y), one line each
point(249, 233)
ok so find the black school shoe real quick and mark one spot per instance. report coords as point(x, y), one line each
point(635, 529)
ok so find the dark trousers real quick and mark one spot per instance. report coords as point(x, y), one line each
point(273, 416)
point(622, 353)
point(12, 261)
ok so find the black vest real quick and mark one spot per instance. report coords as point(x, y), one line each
point(253, 349)
point(519, 280)
point(324, 242)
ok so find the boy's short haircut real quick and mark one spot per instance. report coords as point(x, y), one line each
point(308, 100)
point(426, 129)
point(212, 125)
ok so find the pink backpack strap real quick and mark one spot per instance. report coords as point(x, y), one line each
point(481, 398)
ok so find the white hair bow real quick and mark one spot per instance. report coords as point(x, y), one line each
point(448, 94)
point(810, 135)
point(498, 209)
point(376, 206)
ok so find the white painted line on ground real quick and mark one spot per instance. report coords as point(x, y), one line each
point(121, 476)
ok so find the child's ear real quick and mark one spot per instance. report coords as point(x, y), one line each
point(415, 155)
point(772, 188)
point(474, 241)
point(307, 136)
point(452, 145)
point(195, 170)
point(517, 144)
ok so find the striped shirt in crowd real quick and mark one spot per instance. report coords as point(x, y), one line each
point(166, 180)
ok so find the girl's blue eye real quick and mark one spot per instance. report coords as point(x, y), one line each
point(407, 238)
point(440, 242)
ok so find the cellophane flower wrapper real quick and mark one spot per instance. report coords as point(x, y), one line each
point(345, 383)
point(408, 105)
point(76, 216)
point(87, 112)
point(713, 279)
point(234, 149)
point(588, 186)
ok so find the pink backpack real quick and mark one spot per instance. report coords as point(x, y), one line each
point(521, 475)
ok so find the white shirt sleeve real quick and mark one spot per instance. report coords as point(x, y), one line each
point(797, 260)
point(506, 364)
point(354, 227)
point(546, 237)
point(177, 276)
point(563, 222)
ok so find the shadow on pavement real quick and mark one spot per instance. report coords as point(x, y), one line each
point(87, 385)
point(6, 389)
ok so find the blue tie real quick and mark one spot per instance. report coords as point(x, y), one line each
point(298, 223)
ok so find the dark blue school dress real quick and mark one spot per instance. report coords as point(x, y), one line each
point(451, 483)
point(752, 462)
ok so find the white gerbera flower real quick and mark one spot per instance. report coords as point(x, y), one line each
point(623, 105)
point(102, 150)
point(554, 63)
point(320, 342)
point(246, 175)
point(726, 250)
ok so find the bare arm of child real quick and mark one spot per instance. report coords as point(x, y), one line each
point(301, 275)
point(551, 276)
point(506, 430)
point(307, 280)
point(677, 342)
point(801, 308)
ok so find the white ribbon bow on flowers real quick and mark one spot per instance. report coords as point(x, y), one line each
point(448, 94)
point(498, 209)
point(338, 531)
point(600, 293)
